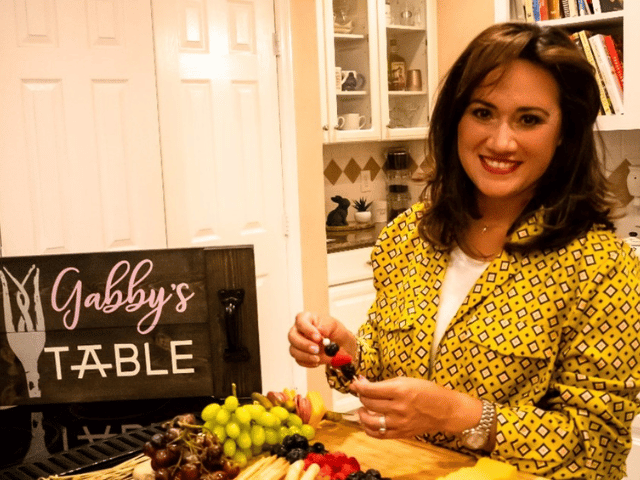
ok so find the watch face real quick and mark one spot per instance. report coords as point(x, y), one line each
point(475, 440)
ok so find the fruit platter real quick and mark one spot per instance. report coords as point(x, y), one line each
point(270, 438)
point(287, 436)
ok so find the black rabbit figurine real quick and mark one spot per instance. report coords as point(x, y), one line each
point(338, 216)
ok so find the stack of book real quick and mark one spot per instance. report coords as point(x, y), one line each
point(536, 10)
point(605, 55)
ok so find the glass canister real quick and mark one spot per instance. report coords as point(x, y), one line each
point(398, 175)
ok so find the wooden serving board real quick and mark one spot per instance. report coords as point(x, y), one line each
point(397, 459)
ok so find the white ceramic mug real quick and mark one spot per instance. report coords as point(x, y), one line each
point(351, 121)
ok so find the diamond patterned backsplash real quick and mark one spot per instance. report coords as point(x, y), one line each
point(343, 164)
point(339, 169)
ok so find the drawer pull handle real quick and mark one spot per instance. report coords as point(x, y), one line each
point(231, 301)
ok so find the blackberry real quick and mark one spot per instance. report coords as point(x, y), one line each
point(296, 454)
point(279, 450)
point(348, 371)
point(331, 349)
point(299, 441)
point(287, 442)
point(318, 448)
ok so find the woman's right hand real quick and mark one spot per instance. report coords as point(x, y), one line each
point(305, 339)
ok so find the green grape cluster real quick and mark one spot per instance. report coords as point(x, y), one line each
point(246, 430)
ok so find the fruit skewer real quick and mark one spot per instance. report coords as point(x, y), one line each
point(340, 361)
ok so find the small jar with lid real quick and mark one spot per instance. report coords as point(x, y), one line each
point(398, 175)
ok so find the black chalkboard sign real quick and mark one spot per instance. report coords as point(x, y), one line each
point(128, 325)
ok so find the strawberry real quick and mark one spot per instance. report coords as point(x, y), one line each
point(341, 359)
point(315, 458)
point(353, 463)
point(325, 472)
point(347, 468)
point(332, 462)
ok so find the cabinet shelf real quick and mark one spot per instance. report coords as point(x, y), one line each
point(600, 20)
point(405, 28)
point(348, 37)
point(406, 93)
point(352, 93)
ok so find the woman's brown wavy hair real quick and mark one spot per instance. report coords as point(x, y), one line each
point(573, 191)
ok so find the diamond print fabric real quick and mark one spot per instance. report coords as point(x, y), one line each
point(551, 338)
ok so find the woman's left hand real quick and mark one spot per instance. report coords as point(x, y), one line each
point(406, 407)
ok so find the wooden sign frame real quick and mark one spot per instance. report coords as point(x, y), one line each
point(126, 325)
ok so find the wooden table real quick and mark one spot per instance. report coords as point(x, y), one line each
point(398, 459)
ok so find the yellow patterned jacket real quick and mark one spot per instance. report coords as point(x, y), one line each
point(553, 338)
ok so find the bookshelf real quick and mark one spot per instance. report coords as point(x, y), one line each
point(627, 22)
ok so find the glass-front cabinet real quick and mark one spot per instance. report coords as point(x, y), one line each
point(378, 68)
point(409, 26)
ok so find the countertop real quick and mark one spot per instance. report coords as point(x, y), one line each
point(398, 459)
point(350, 239)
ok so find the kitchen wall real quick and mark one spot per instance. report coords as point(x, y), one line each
point(458, 22)
point(304, 53)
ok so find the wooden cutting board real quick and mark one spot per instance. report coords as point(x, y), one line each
point(398, 459)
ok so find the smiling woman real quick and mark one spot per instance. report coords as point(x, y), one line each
point(509, 132)
point(549, 90)
point(506, 318)
point(507, 137)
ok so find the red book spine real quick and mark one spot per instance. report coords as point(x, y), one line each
point(544, 10)
point(615, 59)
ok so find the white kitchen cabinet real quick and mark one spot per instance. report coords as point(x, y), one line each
point(626, 20)
point(351, 293)
point(354, 36)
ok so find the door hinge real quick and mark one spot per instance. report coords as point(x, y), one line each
point(276, 44)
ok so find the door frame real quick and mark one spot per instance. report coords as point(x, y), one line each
point(289, 170)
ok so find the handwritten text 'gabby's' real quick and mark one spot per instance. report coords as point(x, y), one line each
point(131, 297)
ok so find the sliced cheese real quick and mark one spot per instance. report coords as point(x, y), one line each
point(496, 469)
point(484, 469)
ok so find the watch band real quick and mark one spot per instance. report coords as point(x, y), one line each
point(476, 437)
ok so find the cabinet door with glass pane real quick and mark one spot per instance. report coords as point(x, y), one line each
point(352, 110)
point(406, 26)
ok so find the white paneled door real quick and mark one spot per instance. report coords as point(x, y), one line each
point(222, 163)
point(80, 162)
point(146, 124)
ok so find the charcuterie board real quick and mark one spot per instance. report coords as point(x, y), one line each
point(398, 459)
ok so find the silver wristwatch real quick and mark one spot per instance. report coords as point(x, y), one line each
point(476, 437)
